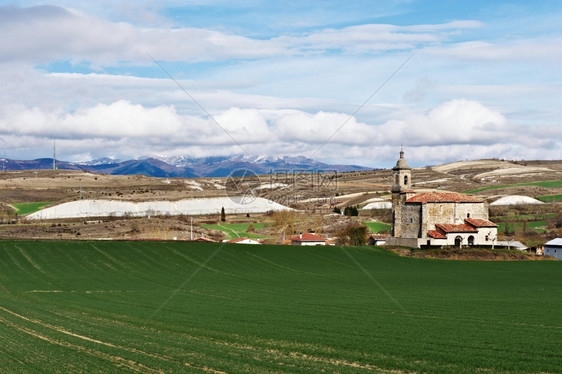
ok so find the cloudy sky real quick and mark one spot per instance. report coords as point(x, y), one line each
point(338, 81)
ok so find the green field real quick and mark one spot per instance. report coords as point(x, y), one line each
point(550, 198)
point(546, 184)
point(28, 208)
point(378, 226)
point(515, 223)
point(209, 308)
point(236, 230)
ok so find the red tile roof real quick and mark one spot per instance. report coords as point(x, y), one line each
point(480, 222)
point(308, 237)
point(436, 234)
point(443, 197)
point(447, 228)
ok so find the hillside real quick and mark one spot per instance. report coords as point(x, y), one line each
point(314, 193)
point(176, 307)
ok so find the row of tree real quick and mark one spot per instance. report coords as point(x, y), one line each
point(352, 211)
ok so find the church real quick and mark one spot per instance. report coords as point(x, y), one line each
point(436, 218)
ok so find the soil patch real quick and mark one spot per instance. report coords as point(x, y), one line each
point(468, 254)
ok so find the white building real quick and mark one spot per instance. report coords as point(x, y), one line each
point(553, 248)
point(308, 239)
point(436, 218)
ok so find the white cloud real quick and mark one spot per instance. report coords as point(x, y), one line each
point(373, 38)
point(536, 49)
point(42, 34)
point(455, 122)
point(463, 95)
point(459, 128)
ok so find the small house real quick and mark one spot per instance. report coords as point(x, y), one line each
point(308, 239)
point(553, 248)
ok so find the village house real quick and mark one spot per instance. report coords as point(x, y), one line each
point(436, 218)
point(308, 239)
point(553, 248)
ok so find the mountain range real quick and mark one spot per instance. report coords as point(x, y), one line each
point(182, 166)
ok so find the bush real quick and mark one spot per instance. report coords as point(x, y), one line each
point(355, 235)
point(351, 211)
point(556, 221)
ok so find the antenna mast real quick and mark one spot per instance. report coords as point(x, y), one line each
point(54, 153)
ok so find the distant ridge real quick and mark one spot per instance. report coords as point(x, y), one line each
point(184, 167)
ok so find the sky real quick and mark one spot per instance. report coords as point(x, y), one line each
point(338, 81)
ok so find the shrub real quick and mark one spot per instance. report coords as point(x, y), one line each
point(351, 211)
point(355, 235)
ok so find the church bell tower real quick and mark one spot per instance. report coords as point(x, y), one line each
point(401, 191)
point(402, 174)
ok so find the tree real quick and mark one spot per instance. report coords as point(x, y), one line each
point(337, 210)
point(556, 221)
point(355, 235)
point(223, 215)
point(351, 211)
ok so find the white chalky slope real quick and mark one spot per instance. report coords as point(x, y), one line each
point(116, 208)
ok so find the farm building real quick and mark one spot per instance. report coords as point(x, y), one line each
point(436, 218)
point(553, 248)
point(308, 239)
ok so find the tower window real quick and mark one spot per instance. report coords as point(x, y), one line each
point(405, 180)
point(467, 215)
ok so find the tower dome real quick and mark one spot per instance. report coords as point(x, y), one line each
point(401, 163)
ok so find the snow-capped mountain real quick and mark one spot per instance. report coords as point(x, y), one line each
point(185, 166)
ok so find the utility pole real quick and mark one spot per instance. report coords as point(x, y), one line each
point(191, 228)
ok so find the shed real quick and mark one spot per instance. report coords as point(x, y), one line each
point(553, 248)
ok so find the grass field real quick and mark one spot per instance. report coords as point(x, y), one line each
point(550, 198)
point(547, 184)
point(28, 208)
point(236, 230)
point(211, 308)
point(517, 222)
point(378, 226)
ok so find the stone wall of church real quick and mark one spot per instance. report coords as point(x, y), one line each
point(452, 213)
point(411, 221)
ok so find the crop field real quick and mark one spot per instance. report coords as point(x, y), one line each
point(213, 308)
point(522, 222)
point(546, 184)
point(28, 208)
point(550, 198)
point(236, 230)
point(378, 226)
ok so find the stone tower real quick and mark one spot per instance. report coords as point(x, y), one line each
point(401, 191)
